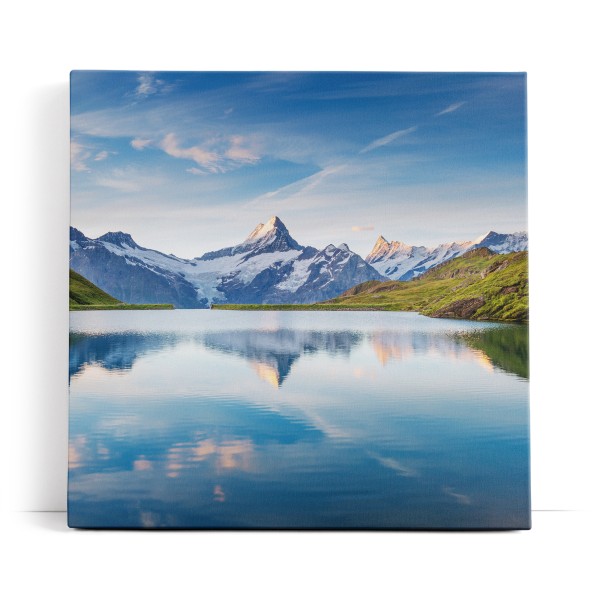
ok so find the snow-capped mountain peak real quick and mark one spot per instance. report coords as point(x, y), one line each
point(272, 236)
point(263, 229)
point(397, 260)
point(268, 267)
point(380, 249)
point(384, 250)
point(482, 237)
point(503, 242)
point(118, 238)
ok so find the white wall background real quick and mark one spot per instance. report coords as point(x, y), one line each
point(555, 43)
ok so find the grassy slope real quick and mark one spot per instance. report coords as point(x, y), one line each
point(84, 295)
point(84, 292)
point(478, 285)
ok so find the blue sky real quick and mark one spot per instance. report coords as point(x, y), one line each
point(191, 162)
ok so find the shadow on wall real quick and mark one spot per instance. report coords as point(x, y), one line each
point(42, 411)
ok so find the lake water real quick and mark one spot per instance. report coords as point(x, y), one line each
point(222, 419)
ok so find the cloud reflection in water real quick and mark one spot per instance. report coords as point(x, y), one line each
point(298, 426)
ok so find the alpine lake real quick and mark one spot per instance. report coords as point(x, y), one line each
point(297, 420)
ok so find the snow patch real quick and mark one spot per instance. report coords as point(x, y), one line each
point(297, 276)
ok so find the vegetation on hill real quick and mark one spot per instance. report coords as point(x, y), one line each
point(84, 295)
point(479, 285)
point(84, 292)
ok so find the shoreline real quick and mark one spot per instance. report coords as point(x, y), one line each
point(334, 308)
point(80, 307)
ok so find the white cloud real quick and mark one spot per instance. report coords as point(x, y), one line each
point(363, 228)
point(450, 109)
point(195, 171)
point(203, 158)
point(216, 156)
point(148, 84)
point(384, 141)
point(79, 155)
point(239, 151)
point(139, 143)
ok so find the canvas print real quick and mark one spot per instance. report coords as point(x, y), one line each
point(298, 301)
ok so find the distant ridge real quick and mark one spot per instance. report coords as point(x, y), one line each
point(402, 262)
point(479, 285)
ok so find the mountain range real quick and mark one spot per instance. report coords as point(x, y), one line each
point(399, 261)
point(268, 267)
point(479, 285)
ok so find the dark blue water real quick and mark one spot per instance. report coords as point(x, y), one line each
point(210, 419)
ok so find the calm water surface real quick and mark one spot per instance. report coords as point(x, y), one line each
point(210, 419)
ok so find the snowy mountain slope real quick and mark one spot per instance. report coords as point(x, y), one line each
point(272, 236)
point(503, 243)
point(315, 276)
point(400, 261)
point(133, 274)
point(268, 266)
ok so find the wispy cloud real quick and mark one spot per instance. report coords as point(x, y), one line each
point(203, 158)
point(148, 84)
point(128, 180)
point(384, 141)
point(302, 186)
point(79, 155)
point(122, 185)
point(139, 143)
point(200, 128)
point(195, 171)
point(103, 155)
point(450, 109)
point(240, 151)
point(216, 156)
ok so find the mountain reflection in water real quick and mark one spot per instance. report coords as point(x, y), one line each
point(272, 354)
point(196, 419)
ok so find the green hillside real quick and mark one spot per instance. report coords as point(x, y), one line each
point(84, 295)
point(84, 292)
point(479, 285)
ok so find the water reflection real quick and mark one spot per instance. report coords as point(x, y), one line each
point(271, 354)
point(398, 346)
point(385, 421)
point(114, 351)
point(506, 347)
